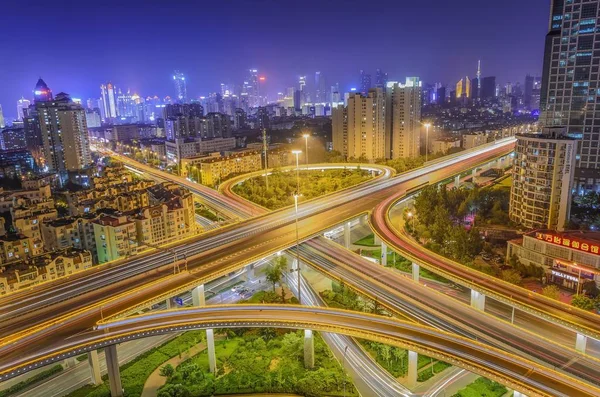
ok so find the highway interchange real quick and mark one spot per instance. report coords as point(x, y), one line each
point(209, 245)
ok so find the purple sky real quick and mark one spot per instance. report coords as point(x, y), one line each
point(77, 45)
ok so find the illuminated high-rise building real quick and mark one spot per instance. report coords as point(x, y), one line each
point(41, 92)
point(180, 86)
point(365, 82)
point(320, 90)
point(2, 123)
point(463, 88)
point(22, 104)
point(381, 79)
point(359, 128)
point(64, 135)
point(253, 89)
point(570, 80)
point(403, 119)
point(108, 97)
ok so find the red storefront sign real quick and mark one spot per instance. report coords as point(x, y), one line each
point(568, 242)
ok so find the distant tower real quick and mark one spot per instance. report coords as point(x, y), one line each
point(22, 104)
point(180, 87)
point(2, 124)
point(479, 79)
point(108, 94)
point(41, 92)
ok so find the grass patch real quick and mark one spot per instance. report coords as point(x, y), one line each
point(367, 241)
point(18, 387)
point(482, 387)
point(428, 373)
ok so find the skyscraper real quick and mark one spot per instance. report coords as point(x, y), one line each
point(320, 90)
point(22, 104)
point(108, 97)
point(253, 89)
point(381, 79)
point(359, 128)
point(41, 92)
point(463, 89)
point(180, 86)
point(488, 88)
point(365, 82)
point(2, 123)
point(569, 81)
point(64, 135)
point(403, 119)
point(477, 94)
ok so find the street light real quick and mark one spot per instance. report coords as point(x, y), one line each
point(427, 125)
point(297, 246)
point(411, 215)
point(297, 153)
point(344, 368)
point(306, 136)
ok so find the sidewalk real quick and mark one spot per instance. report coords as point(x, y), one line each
point(155, 380)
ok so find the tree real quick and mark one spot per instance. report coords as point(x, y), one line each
point(551, 291)
point(274, 273)
point(167, 371)
point(590, 288)
point(583, 302)
point(511, 276)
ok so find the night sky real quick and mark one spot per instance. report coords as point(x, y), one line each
point(77, 45)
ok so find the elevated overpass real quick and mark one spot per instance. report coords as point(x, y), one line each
point(515, 372)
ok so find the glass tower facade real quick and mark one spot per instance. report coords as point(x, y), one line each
point(570, 94)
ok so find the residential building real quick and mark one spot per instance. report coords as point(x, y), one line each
point(443, 145)
point(570, 82)
point(44, 267)
point(16, 247)
point(471, 140)
point(543, 169)
point(213, 170)
point(12, 138)
point(403, 119)
point(569, 258)
point(116, 237)
point(64, 135)
point(359, 128)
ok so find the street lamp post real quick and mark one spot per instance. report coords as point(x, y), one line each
point(297, 153)
point(306, 136)
point(297, 247)
point(412, 217)
point(344, 368)
point(427, 125)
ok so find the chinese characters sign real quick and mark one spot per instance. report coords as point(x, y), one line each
point(569, 243)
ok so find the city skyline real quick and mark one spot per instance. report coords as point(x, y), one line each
point(145, 64)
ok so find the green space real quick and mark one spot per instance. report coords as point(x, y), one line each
point(135, 372)
point(208, 214)
point(394, 260)
point(260, 361)
point(283, 185)
point(585, 212)
point(391, 358)
point(503, 183)
point(40, 376)
point(367, 241)
point(482, 387)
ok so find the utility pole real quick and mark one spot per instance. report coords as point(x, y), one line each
point(264, 135)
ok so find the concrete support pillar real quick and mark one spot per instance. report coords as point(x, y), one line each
point(477, 300)
point(580, 343)
point(250, 271)
point(415, 271)
point(309, 349)
point(94, 367)
point(198, 296)
point(199, 300)
point(413, 357)
point(376, 239)
point(112, 367)
point(347, 235)
point(457, 181)
point(169, 303)
point(518, 394)
point(383, 259)
point(210, 345)
point(473, 174)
